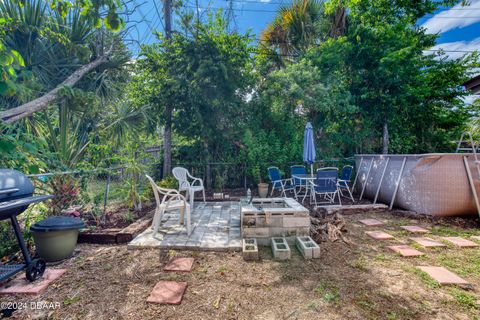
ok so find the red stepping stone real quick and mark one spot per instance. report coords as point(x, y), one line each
point(167, 292)
point(179, 265)
point(442, 275)
point(406, 251)
point(20, 285)
point(414, 229)
point(427, 242)
point(460, 242)
point(379, 235)
point(475, 238)
point(372, 222)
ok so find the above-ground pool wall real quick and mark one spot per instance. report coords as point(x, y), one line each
point(434, 184)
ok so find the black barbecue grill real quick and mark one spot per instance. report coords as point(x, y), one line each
point(16, 194)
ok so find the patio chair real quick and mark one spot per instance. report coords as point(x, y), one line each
point(280, 184)
point(344, 180)
point(171, 199)
point(195, 185)
point(326, 185)
point(299, 184)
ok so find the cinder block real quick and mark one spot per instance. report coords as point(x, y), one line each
point(255, 232)
point(307, 247)
point(293, 222)
point(280, 249)
point(250, 249)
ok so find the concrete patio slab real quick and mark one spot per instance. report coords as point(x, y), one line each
point(379, 235)
point(442, 275)
point(415, 229)
point(167, 292)
point(179, 265)
point(461, 242)
point(20, 285)
point(406, 251)
point(215, 227)
point(428, 242)
point(371, 222)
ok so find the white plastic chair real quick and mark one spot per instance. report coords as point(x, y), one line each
point(183, 176)
point(171, 200)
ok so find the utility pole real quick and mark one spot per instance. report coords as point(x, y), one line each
point(167, 133)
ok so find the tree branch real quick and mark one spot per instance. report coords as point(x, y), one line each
point(42, 102)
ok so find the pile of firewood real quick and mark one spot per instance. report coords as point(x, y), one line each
point(326, 227)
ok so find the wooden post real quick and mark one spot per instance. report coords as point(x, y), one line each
point(472, 184)
point(398, 183)
point(366, 179)
point(381, 180)
point(356, 176)
point(107, 191)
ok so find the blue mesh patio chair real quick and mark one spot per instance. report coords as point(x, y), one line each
point(299, 184)
point(326, 185)
point(344, 180)
point(280, 184)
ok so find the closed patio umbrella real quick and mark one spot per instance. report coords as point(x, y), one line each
point(309, 153)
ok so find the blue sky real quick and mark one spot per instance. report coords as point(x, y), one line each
point(459, 27)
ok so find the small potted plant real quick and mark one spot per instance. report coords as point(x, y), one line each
point(262, 186)
point(56, 236)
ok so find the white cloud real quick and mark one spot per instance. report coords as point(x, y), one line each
point(459, 17)
point(456, 49)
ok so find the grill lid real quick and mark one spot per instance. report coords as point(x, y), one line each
point(14, 185)
point(57, 223)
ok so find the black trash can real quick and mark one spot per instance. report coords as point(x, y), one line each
point(56, 237)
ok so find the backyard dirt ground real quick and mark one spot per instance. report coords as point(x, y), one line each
point(363, 280)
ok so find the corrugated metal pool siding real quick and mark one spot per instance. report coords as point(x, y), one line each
point(434, 184)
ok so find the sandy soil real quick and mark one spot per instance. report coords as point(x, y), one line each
point(359, 281)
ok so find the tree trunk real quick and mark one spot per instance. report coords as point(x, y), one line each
point(167, 143)
point(385, 138)
point(42, 102)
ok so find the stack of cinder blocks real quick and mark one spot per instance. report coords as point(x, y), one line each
point(307, 247)
point(281, 249)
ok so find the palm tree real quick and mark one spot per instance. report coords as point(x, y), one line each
point(298, 27)
point(295, 28)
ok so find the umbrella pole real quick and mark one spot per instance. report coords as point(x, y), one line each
point(311, 169)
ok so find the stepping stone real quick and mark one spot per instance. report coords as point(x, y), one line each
point(379, 235)
point(460, 242)
point(427, 242)
point(179, 265)
point(20, 285)
point(372, 222)
point(442, 275)
point(406, 251)
point(414, 229)
point(167, 292)
point(475, 238)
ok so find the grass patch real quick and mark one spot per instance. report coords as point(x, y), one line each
point(449, 231)
point(361, 263)
point(465, 265)
point(382, 257)
point(463, 298)
point(329, 292)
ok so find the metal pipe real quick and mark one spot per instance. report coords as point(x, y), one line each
point(21, 242)
point(398, 183)
point(356, 176)
point(366, 179)
point(472, 184)
point(381, 180)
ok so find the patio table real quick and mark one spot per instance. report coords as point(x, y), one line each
point(307, 178)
